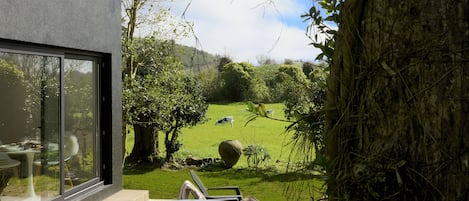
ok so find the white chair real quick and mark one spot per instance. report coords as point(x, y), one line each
point(71, 148)
point(188, 188)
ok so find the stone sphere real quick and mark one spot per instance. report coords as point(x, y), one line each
point(230, 151)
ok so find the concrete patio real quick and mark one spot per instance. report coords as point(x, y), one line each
point(133, 195)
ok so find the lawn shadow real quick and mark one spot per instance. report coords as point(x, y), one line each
point(214, 167)
point(265, 174)
point(227, 103)
point(140, 168)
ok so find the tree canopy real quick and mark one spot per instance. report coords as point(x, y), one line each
point(158, 96)
point(241, 83)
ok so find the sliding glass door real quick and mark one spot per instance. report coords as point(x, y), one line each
point(49, 128)
point(81, 128)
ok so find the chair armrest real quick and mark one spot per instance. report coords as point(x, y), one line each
point(235, 188)
point(225, 197)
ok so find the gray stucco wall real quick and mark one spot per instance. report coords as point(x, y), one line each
point(84, 24)
point(92, 25)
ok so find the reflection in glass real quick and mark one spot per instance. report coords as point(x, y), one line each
point(30, 123)
point(80, 121)
point(31, 137)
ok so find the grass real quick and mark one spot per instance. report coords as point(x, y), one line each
point(263, 185)
point(271, 183)
point(203, 140)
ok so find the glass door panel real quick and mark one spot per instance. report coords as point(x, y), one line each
point(80, 139)
point(29, 125)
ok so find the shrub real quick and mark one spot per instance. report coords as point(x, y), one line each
point(256, 154)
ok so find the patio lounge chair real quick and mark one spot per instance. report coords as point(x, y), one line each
point(204, 190)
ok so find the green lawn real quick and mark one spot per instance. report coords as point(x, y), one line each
point(203, 140)
point(263, 185)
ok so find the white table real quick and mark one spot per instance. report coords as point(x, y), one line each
point(29, 153)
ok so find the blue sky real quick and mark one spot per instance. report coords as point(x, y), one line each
point(296, 20)
point(248, 29)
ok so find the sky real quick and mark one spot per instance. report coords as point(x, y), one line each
point(245, 30)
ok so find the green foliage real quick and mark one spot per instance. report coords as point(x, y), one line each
point(196, 60)
point(240, 83)
point(79, 96)
point(14, 99)
point(304, 105)
point(203, 140)
point(265, 83)
point(267, 73)
point(308, 67)
point(293, 71)
point(264, 185)
point(223, 61)
point(256, 154)
point(323, 27)
point(304, 100)
point(143, 96)
point(10, 74)
point(161, 95)
point(210, 82)
point(259, 110)
point(236, 80)
point(188, 109)
point(293, 88)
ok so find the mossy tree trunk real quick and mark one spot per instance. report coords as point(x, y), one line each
point(145, 148)
point(398, 101)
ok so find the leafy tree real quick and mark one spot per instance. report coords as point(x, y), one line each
point(223, 61)
point(241, 83)
point(152, 79)
point(267, 73)
point(288, 62)
point(292, 87)
point(196, 60)
point(210, 82)
point(142, 15)
point(293, 71)
point(308, 67)
point(13, 102)
point(303, 99)
point(188, 109)
point(236, 80)
point(161, 97)
point(143, 96)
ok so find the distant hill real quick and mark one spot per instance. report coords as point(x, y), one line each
point(194, 59)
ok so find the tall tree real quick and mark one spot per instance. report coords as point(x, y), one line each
point(14, 101)
point(144, 99)
point(188, 109)
point(223, 61)
point(147, 62)
point(242, 83)
point(149, 18)
point(162, 98)
point(397, 106)
point(131, 9)
point(293, 88)
point(308, 67)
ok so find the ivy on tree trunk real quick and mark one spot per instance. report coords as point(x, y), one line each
point(397, 106)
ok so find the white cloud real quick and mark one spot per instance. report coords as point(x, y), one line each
point(244, 29)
